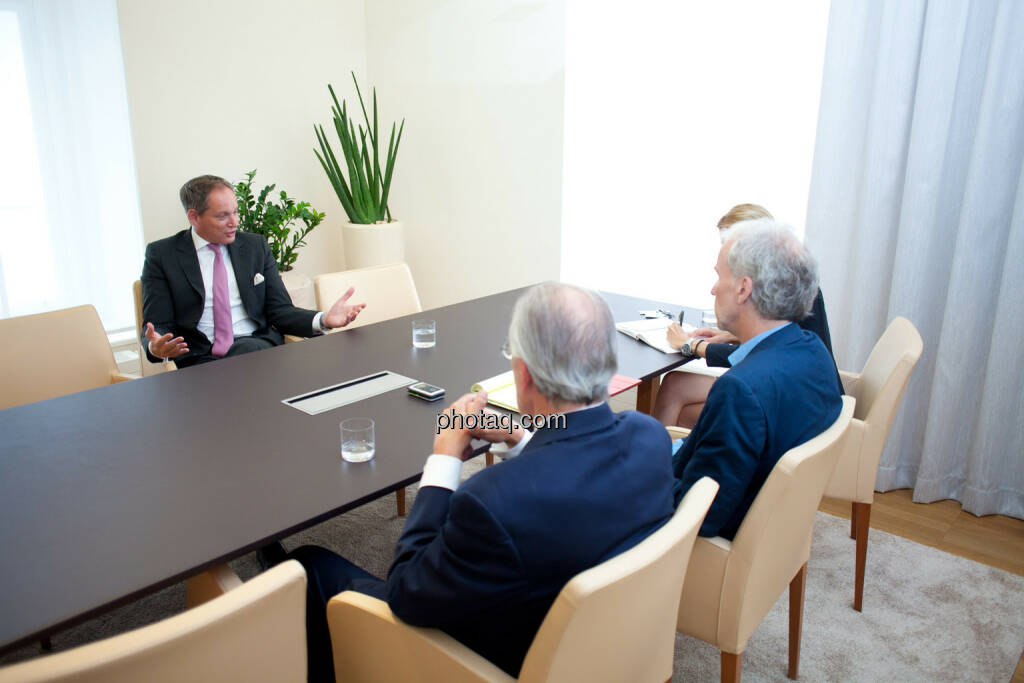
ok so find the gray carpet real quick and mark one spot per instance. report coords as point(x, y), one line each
point(927, 616)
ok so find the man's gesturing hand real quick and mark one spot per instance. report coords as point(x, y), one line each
point(454, 439)
point(164, 346)
point(342, 313)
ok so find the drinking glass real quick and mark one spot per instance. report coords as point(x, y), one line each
point(424, 334)
point(357, 441)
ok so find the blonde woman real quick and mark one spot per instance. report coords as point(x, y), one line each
point(682, 394)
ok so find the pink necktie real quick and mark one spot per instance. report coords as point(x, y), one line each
point(223, 331)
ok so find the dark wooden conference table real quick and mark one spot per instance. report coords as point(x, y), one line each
point(113, 493)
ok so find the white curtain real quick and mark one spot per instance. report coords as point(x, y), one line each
point(70, 228)
point(916, 209)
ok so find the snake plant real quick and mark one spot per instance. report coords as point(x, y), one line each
point(365, 195)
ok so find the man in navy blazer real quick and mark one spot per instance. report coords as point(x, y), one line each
point(484, 560)
point(178, 285)
point(781, 389)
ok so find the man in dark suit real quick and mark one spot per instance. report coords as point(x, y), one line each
point(211, 291)
point(484, 560)
point(781, 389)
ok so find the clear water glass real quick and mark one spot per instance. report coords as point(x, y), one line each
point(357, 439)
point(424, 334)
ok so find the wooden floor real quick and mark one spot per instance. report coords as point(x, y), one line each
point(994, 540)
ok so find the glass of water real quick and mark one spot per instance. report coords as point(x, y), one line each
point(357, 441)
point(424, 334)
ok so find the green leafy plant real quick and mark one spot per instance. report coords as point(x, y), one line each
point(365, 195)
point(274, 221)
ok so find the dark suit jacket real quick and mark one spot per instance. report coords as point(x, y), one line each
point(173, 293)
point(484, 563)
point(781, 395)
point(717, 355)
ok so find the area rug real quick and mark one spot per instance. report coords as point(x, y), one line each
point(928, 615)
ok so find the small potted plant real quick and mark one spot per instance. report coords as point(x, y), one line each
point(277, 223)
point(371, 236)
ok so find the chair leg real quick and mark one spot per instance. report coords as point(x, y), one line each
point(853, 520)
point(796, 618)
point(732, 666)
point(863, 512)
point(400, 501)
point(489, 459)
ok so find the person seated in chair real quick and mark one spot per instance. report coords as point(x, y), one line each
point(484, 559)
point(211, 291)
point(682, 394)
point(782, 388)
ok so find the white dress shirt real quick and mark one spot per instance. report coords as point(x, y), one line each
point(242, 324)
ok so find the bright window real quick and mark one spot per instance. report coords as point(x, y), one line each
point(70, 230)
point(674, 112)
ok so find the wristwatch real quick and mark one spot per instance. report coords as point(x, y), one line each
point(689, 348)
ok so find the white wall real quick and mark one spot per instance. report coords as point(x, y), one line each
point(227, 86)
point(478, 175)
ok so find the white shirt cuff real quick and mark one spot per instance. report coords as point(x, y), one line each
point(504, 451)
point(442, 471)
point(318, 323)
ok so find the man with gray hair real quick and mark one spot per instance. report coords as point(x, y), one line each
point(484, 560)
point(781, 389)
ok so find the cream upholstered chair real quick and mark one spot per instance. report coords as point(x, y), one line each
point(388, 292)
point(256, 632)
point(731, 585)
point(610, 623)
point(145, 365)
point(879, 391)
point(56, 353)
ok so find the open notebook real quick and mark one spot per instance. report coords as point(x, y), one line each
point(501, 389)
point(652, 332)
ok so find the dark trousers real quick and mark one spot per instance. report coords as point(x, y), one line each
point(327, 574)
point(241, 345)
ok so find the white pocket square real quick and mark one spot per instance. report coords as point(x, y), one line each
point(258, 280)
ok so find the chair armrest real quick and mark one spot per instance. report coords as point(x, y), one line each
point(365, 635)
point(677, 432)
point(116, 377)
point(850, 381)
point(291, 339)
point(210, 584)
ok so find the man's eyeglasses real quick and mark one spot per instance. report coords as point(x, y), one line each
point(506, 351)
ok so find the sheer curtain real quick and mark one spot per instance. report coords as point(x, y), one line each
point(70, 228)
point(917, 209)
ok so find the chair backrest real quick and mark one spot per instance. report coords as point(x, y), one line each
point(623, 609)
point(256, 632)
point(53, 354)
point(879, 389)
point(886, 374)
point(388, 292)
point(774, 540)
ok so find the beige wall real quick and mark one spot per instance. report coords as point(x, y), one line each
point(226, 86)
point(478, 176)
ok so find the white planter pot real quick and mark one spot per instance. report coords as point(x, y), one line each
point(300, 288)
point(373, 245)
